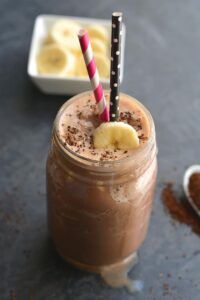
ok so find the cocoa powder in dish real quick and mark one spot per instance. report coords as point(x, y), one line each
point(179, 209)
point(194, 189)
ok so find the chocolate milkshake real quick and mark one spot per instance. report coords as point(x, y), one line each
point(99, 200)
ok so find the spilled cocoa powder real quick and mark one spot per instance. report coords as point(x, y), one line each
point(180, 209)
point(194, 189)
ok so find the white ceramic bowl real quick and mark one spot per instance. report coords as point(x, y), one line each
point(62, 85)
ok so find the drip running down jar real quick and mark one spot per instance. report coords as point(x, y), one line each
point(99, 210)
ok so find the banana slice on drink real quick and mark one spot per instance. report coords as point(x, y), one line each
point(55, 60)
point(98, 46)
point(103, 65)
point(65, 32)
point(99, 32)
point(115, 135)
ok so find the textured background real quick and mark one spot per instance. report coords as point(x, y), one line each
point(162, 68)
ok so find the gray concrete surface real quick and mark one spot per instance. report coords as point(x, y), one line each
point(162, 68)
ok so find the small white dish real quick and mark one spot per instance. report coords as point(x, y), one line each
point(56, 84)
point(186, 178)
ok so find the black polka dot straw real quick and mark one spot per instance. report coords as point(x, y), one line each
point(115, 65)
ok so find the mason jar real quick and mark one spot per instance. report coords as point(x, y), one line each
point(98, 211)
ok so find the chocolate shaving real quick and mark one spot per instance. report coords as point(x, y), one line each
point(132, 119)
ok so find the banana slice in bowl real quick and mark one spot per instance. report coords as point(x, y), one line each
point(65, 32)
point(55, 60)
point(115, 135)
point(98, 46)
point(98, 31)
point(81, 70)
point(103, 64)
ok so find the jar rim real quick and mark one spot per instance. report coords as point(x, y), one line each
point(103, 163)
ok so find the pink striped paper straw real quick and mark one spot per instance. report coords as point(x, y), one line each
point(93, 75)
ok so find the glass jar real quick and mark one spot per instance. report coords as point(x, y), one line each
point(98, 211)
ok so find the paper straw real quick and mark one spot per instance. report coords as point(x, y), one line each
point(115, 65)
point(93, 75)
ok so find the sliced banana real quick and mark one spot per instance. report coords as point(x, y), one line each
point(61, 53)
point(55, 60)
point(115, 135)
point(65, 32)
point(98, 46)
point(48, 40)
point(102, 62)
point(81, 70)
point(103, 65)
point(98, 31)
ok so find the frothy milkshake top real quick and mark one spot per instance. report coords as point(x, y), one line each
point(79, 120)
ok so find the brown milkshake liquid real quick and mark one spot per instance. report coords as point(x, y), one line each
point(99, 200)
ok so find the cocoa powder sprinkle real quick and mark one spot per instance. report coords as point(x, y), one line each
point(179, 209)
point(82, 137)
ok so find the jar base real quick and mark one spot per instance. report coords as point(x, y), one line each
point(115, 275)
point(130, 260)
